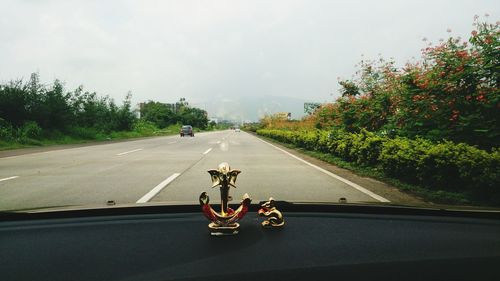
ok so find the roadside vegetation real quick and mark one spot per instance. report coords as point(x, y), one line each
point(33, 114)
point(432, 125)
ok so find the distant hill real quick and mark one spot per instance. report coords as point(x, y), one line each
point(254, 107)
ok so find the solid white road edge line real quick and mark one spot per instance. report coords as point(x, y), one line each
point(127, 152)
point(208, 150)
point(9, 178)
point(157, 188)
point(348, 182)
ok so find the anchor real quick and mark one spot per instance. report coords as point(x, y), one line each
point(225, 222)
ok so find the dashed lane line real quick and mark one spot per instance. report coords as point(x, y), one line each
point(158, 188)
point(127, 152)
point(9, 178)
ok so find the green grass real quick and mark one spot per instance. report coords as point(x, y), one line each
point(434, 196)
point(58, 138)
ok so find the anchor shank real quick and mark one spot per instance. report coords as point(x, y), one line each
point(224, 195)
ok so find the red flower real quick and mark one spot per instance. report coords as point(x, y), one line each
point(462, 54)
point(454, 115)
point(474, 33)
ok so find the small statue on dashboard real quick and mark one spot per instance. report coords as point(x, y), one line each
point(225, 221)
point(273, 215)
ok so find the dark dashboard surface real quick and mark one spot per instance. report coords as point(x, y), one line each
point(315, 245)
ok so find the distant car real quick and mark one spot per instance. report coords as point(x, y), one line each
point(187, 130)
point(237, 129)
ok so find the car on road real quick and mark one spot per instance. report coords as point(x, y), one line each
point(237, 129)
point(187, 130)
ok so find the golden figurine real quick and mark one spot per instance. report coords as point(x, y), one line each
point(225, 222)
point(274, 216)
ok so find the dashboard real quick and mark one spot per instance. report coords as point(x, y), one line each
point(317, 243)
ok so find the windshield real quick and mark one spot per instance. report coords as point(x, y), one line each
point(349, 102)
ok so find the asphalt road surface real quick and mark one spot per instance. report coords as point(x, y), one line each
point(167, 169)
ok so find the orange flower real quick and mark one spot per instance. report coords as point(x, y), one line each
point(462, 54)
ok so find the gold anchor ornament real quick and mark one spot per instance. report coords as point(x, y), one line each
point(225, 222)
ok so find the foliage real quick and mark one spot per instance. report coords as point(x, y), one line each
point(34, 108)
point(30, 130)
point(252, 127)
point(163, 115)
point(193, 116)
point(33, 114)
point(452, 93)
point(6, 130)
point(158, 113)
point(144, 126)
point(436, 166)
point(277, 121)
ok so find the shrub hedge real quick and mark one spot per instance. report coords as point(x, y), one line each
point(439, 166)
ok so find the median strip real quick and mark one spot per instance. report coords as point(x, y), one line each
point(208, 150)
point(127, 152)
point(9, 178)
point(157, 188)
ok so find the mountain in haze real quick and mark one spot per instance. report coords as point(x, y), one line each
point(252, 108)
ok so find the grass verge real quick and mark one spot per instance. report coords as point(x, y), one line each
point(57, 138)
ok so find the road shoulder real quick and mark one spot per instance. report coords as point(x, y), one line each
point(385, 190)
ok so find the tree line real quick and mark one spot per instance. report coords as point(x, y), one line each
point(32, 110)
point(163, 114)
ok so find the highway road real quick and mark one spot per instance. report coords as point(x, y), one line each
point(167, 169)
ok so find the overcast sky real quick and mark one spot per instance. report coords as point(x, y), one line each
point(208, 51)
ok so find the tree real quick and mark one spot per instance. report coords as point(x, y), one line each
point(194, 116)
point(158, 113)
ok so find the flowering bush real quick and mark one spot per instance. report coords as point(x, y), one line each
point(452, 93)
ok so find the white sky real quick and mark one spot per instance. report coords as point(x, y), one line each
point(207, 51)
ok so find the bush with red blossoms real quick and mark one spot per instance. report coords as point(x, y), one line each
point(452, 93)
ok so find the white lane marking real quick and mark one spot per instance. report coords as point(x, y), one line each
point(348, 182)
point(172, 142)
point(82, 147)
point(208, 150)
point(28, 154)
point(9, 178)
point(157, 188)
point(217, 142)
point(127, 152)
